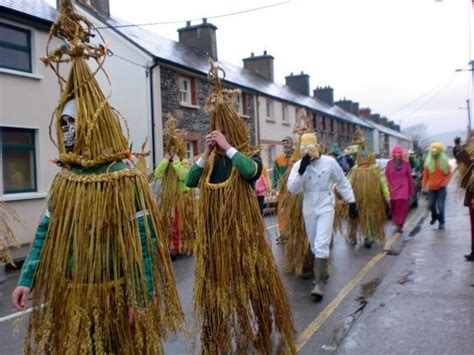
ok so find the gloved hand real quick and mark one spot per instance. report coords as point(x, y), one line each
point(353, 211)
point(304, 164)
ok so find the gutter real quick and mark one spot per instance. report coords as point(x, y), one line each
point(152, 111)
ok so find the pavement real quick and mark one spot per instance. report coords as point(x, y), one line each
point(425, 302)
point(413, 296)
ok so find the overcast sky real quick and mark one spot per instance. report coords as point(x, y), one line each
point(397, 57)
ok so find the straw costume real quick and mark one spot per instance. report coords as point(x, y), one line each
point(7, 237)
point(298, 256)
point(371, 193)
point(314, 175)
point(176, 202)
point(98, 262)
point(465, 160)
point(282, 164)
point(239, 297)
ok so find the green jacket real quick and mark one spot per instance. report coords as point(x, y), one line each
point(32, 260)
point(179, 168)
point(249, 168)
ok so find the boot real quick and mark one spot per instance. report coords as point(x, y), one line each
point(308, 266)
point(320, 277)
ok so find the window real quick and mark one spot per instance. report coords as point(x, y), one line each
point(241, 104)
point(331, 122)
point(323, 123)
point(15, 48)
point(268, 108)
point(185, 91)
point(19, 161)
point(284, 113)
point(188, 91)
point(190, 151)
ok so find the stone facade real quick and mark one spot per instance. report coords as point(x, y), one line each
point(193, 119)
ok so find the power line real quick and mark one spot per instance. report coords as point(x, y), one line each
point(429, 99)
point(426, 94)
point(196, 19)
point(113, 54)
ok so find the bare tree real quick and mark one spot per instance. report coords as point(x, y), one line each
point(417, 133)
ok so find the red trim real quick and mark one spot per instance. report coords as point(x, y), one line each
point(193, 91)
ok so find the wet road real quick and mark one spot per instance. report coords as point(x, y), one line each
point(347, 262)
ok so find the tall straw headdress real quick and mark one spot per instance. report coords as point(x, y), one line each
point(172, 202)
point(102, 254)
point(239, 297)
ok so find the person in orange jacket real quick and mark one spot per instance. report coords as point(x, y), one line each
point(437, 173)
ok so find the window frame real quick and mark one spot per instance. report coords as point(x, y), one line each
point(20, 147)
point(188, 92)
point(28, 49)
point(268, 108)
point(285, 112)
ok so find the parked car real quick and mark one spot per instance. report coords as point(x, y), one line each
point(416, 180)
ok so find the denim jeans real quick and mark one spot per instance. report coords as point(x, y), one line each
point(437, 199)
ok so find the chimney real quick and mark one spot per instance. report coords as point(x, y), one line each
point(325, 94)
point(376, 118)
point(201, 37)
point(355, 108)
point(346, 105)
point(100, 6)
point(299, 83)
point(365, 112)
point(261, 65)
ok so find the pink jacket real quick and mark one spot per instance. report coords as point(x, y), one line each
point(261, 186)
point(399, 181)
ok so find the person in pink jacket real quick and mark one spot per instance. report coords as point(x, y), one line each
point(398, 174)
point(262, 186)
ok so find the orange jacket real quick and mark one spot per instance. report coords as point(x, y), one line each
point(436, 180)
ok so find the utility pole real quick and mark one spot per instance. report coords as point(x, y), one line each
point(468, 117)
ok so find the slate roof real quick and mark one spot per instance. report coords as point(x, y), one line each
point(389, 131)
point(31, 9)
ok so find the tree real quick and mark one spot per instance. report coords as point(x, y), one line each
point(417, 133)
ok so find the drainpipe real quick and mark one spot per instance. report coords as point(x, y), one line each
point(257, 120)
point(152, 110)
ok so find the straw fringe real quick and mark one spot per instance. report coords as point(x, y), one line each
point(7, 236)
point(92, 270)
point(238, 293)
point(370, 203)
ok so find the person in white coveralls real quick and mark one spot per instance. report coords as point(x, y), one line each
point(315, 175)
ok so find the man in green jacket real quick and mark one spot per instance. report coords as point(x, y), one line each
point(249, 168)
point(181, 169)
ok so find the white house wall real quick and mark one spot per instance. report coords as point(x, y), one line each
point(28, 101)
point(273, 129)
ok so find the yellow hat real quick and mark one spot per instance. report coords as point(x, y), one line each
point(437, 147)
point(309, 145)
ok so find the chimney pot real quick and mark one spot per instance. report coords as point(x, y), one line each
point(261, 65)
point(201, 37)
point(302, 72)
point(299, 83)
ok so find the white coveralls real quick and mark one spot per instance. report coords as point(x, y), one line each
point(318, 199)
